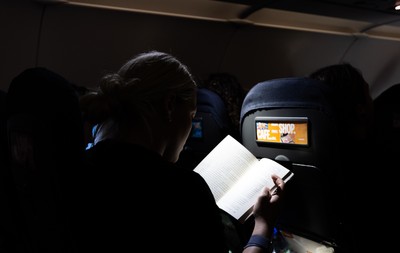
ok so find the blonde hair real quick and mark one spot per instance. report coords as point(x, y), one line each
point(134, 90)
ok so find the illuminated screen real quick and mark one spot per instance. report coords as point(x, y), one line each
point(197, 128)
point(287, 130)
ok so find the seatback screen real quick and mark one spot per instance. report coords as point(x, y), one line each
point(197, 128)
point(284, 130)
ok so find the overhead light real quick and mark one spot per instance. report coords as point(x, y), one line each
point(397, 5)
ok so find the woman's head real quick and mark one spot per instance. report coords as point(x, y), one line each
point(151, 100)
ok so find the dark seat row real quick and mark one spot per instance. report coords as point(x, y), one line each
point(290, 120)
point(294, 121)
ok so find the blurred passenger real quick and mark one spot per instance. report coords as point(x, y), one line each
point(45, 138)
point(353, 100)
point(354, 114)
point(7, 194)
point(134, 191)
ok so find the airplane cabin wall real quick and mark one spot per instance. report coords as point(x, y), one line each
point(83, 43)
point(19, 29)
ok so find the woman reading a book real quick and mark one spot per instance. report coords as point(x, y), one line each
point(133, 194)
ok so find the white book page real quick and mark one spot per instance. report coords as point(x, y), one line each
point(224, 165)
point(277, 169)
point(243, 195)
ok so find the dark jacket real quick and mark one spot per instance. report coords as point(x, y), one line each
point(132, 198)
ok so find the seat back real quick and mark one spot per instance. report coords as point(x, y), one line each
point(230, 90)
point(209, 126)
point(292, 121)
point(45, 136)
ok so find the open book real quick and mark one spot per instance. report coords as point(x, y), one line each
point(236, 177)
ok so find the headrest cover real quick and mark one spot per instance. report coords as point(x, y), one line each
point(210, 102)
point(291, 92)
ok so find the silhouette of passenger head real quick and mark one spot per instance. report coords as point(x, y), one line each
point(45, 136)
point(352, 99)
point(48, 97)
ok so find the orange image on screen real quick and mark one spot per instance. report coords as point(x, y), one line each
point(267, 132)
point(283, 132)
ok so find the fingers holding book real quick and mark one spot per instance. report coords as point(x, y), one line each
point(278, 185)
point(267, 205)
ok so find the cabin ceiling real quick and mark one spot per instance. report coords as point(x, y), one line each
point(369, 18)
point(362, 10)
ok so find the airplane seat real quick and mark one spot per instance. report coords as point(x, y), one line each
point(45, 138)
point(219, 99)
point(292, 121)
point(231, 91)
point(209, 126)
